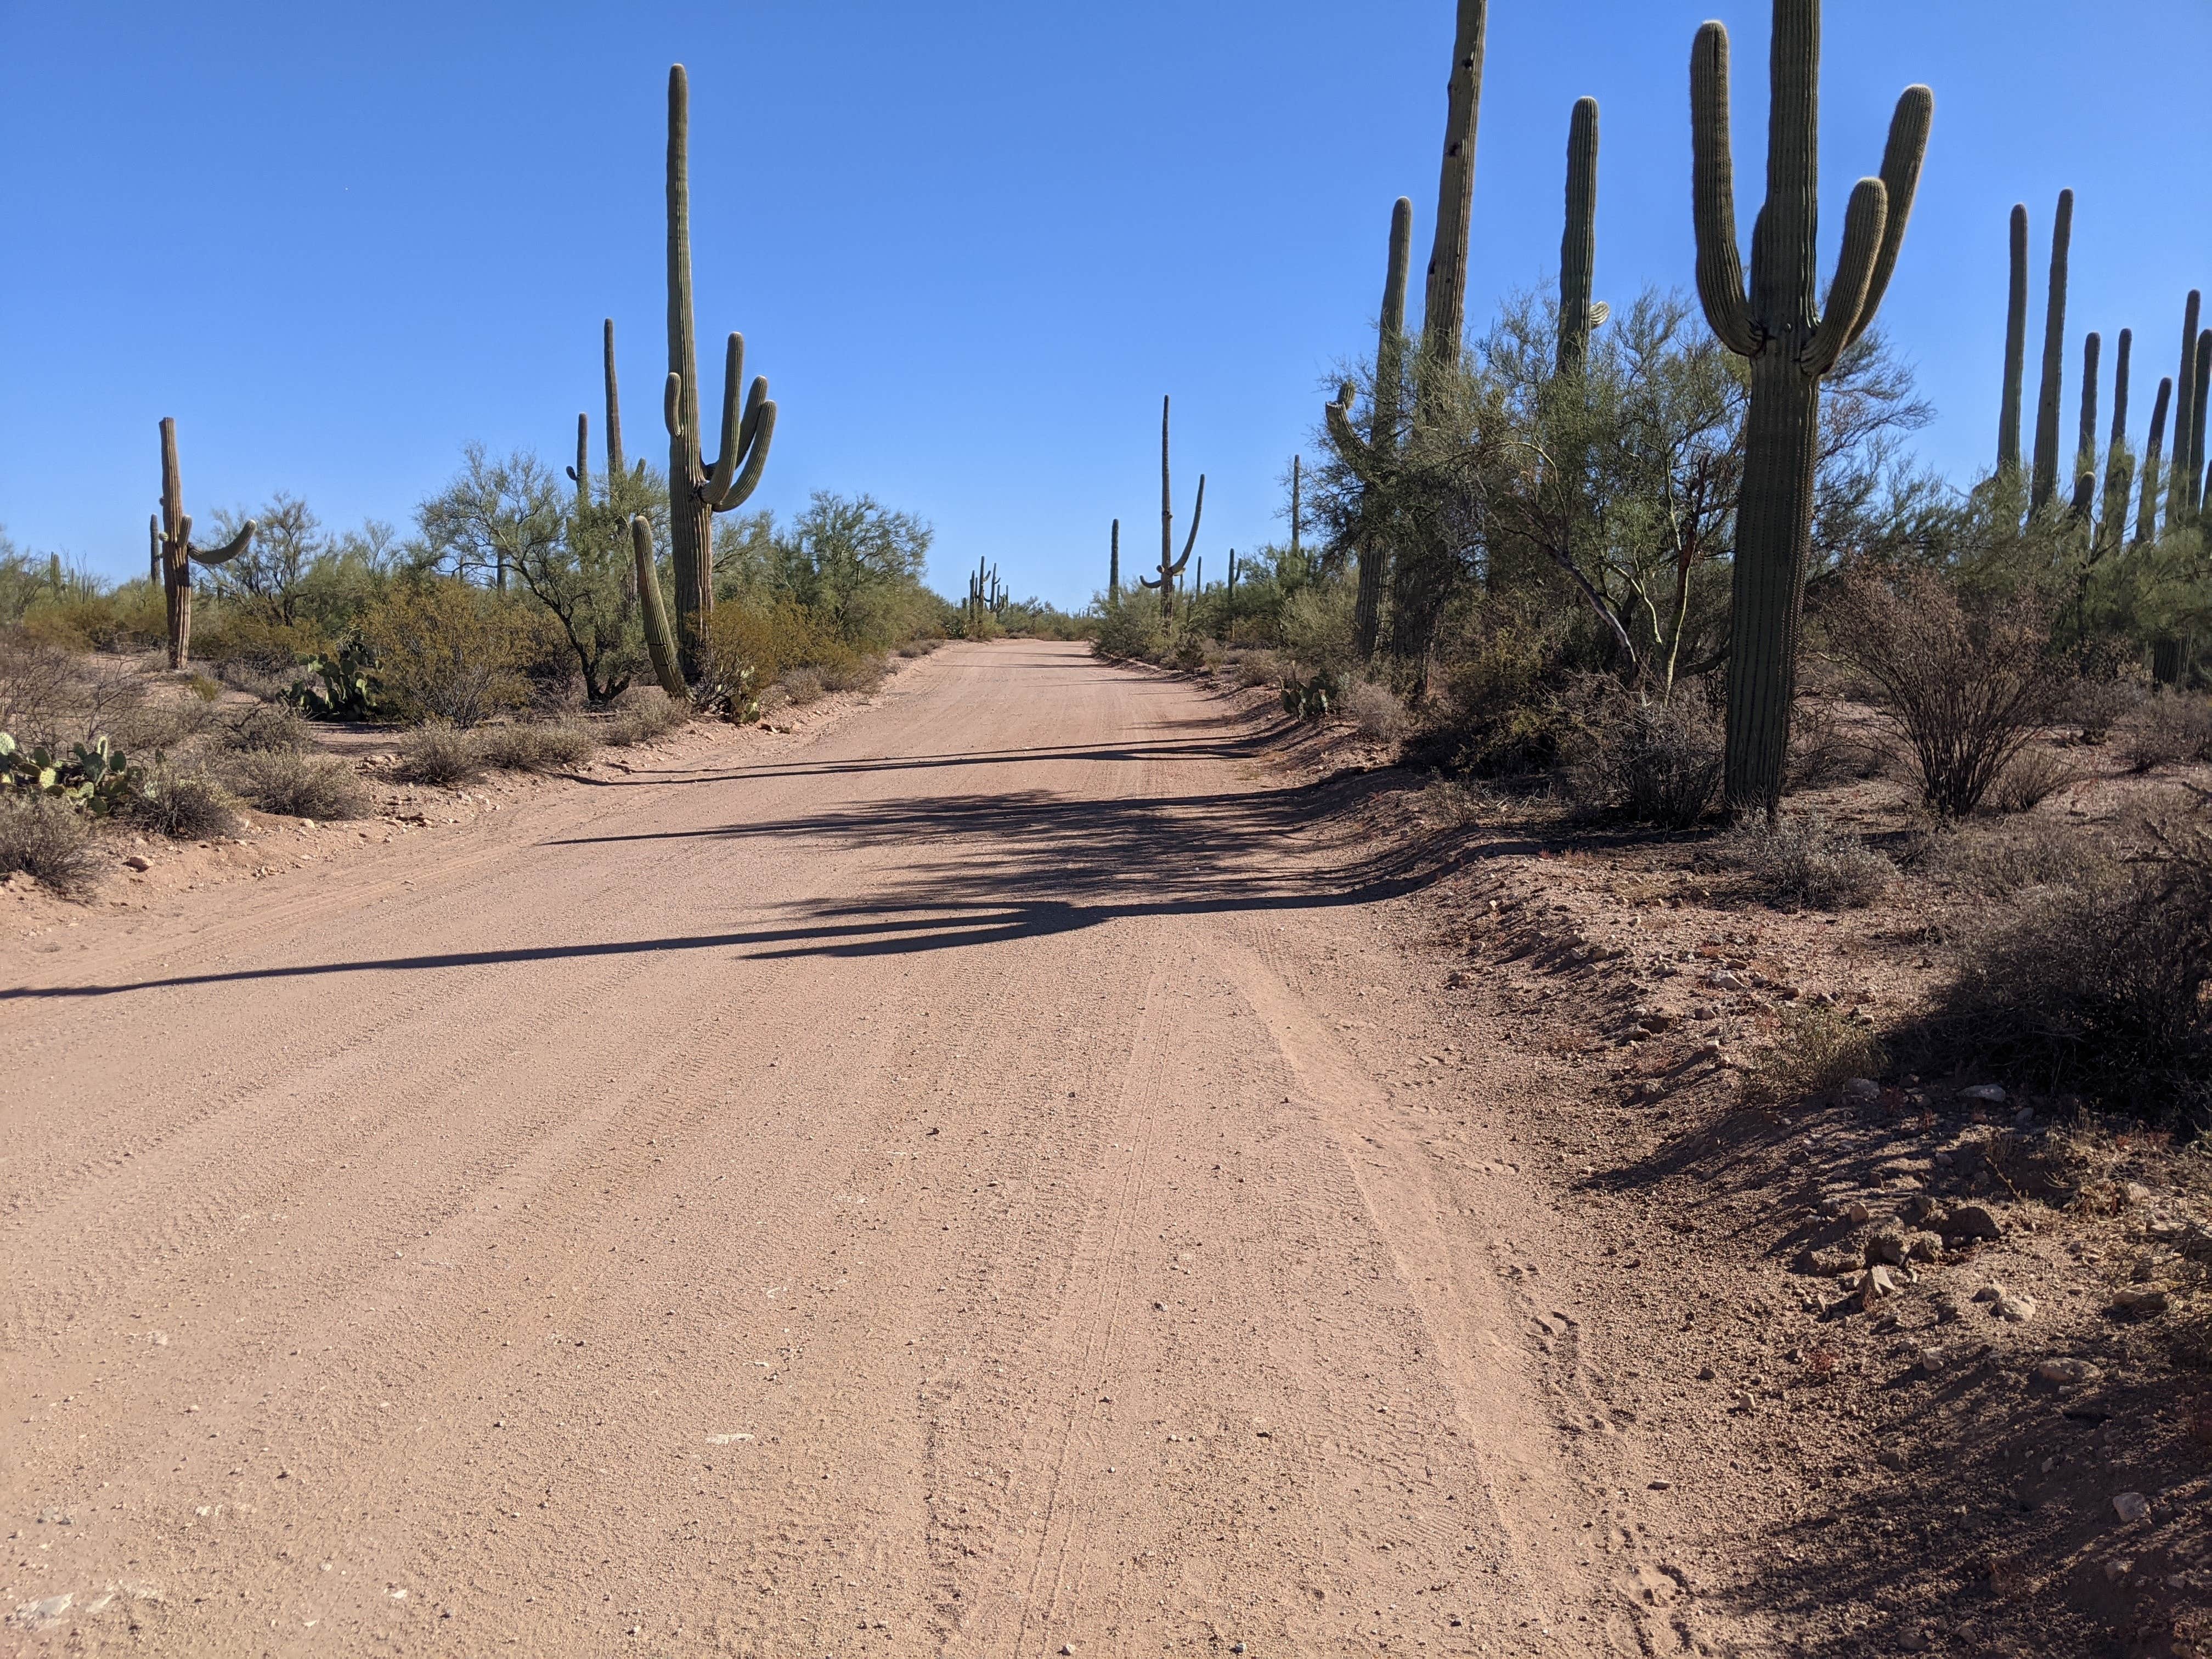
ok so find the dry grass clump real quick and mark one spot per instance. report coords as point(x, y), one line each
point(185, 805)
point(1657, 764)
point(1966, 683)
point(2035, 852)
point(2174, 729)
point(1820, 1048)
point(2098, 984)
point(2032, 778)
point(802, 686)
point(47, 840)
point(271, 727)
point(441, 753)
point(1807, 863)
point(551, 746)
point(642, 714)
point(297, 786)
point(1378, 714)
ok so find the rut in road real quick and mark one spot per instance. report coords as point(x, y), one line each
point(893, 1191)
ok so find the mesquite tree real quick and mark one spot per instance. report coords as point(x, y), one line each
point(1777, 324)
point(699, 488)
point(174, 555)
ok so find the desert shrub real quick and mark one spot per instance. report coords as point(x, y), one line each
point(545, 747)
point(1821, 1047)
point(155, 724)
point(295, 785)
point(184, 805)
point(1657, 763)
point(1499, 712)
point(47, 840)
point(802, 686)
point(1378, 714)
point(446, 650)
point(131, 617)
point(1807, 863)
point(858, 671)
point(53, 698)
point(2173, 729)
point(1317, 628)
point(2096, 705)
point(1251, 667)
point(1130, 631)
point(2034, 851)
point(642, 714)
point(1824, 749)
point(440, 752)
point(267, 726)
point(2098, 985)
point(771, 636)
point(242, 643)
point(1966, 683)
point(2032, 777)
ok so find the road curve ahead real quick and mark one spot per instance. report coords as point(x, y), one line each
point(893, 1191)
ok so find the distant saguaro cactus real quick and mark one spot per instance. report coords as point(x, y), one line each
point(2015, 359)
point(2203, 384)
point(2045, 482)
point(2185, 405)
point(2147, 520)
point(1791, 345)
point(1578, 246)
point(1370, 454)
point(1171, 566)
point(1443, 315)
point(2119, 469)
point(698, 488)
point(171, 533)
point(1114, 566)
point(2084, 442)
point(582, 472)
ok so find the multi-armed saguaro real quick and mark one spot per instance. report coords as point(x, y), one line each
point(1777, 324)
point(699, 488)
point(171, 534)
point(1370, 454)
point(1171, 566)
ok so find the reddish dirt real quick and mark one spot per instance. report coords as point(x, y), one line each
point(983, 1177)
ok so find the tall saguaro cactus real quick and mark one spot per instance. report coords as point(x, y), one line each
point(582, 472)
point(2185, 405)
point(171, 535)
point(2015, 358)
point(2085, 442)
point(699, 488)
point(1370, 454)
point(2201, 383)
point(2045, 480)
point(1578, 246)
point(1114, 566)
point(1443, 315)
point(1791, 345)
point(2147, 519)
point(1171, 566)
point(2112, 530)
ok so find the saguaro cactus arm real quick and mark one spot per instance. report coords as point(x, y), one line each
point(658, 644)
point(1712, 174)
point(1902, 159)
point(1865, 225)
point(735, 474)
point(2147, 520)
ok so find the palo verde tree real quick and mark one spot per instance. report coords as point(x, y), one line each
point(1776, 323)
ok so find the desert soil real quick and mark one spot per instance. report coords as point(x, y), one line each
point(983, 1177)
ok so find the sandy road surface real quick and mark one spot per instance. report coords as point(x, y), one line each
point(908, 1194)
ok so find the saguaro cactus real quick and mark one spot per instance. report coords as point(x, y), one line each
point(2015, 359)
point(1370, 455)
point(2147, 519)
point(582, 472)
point(2084, 442)
point(2200, 384)
point(1443, 315)
point(698, 488)
point(1171, 566)
point(2185, 405)
point(2111, 529)
point(1578, 246)
point(1297, 510)
point(1114, 566)
point(171, 534)
point(1776, 324)
point(2046, 479)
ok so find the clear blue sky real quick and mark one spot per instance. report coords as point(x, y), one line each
point(970, 243)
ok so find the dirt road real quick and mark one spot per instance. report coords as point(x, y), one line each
point(956, 1183)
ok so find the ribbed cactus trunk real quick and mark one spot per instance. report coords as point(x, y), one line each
point(2185, 405)
point(2111, 528)
point(1791, 346)
point(614, 403)
point(1298, 513)
point(1443, 315)
point(582, 472)
point(2085, 442)
point(652, 613)
point(2202, 385)
point(1381, 442)
point(1113, 567)
point(2045, 481)
point(698, 488)
point(2015, 359)
point(2147, 519)
point(173, 553)
point(1172, 567)
point(1578, 244)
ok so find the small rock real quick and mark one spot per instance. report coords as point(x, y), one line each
point(1974, 1221)
point(1891, 1457)
point(2141, 1299)
point(1663, 1485)
point(138, 862)
point(1921, 1210)
point(1983, 1094)
point(1722, 980)
point(2014, 1308)
point(1875, 1284)
point(1861, 1091)
point(2136, 1193)
point(1930, 1360)
point(2130, 1507)
point(1833, 1263)
point(2067, 1373)
point(1706, 1373)
point(1924, 1246)
point(1886, 1247)
point(1655, 1019)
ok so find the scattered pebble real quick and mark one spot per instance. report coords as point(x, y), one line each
point(2130, 1507)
